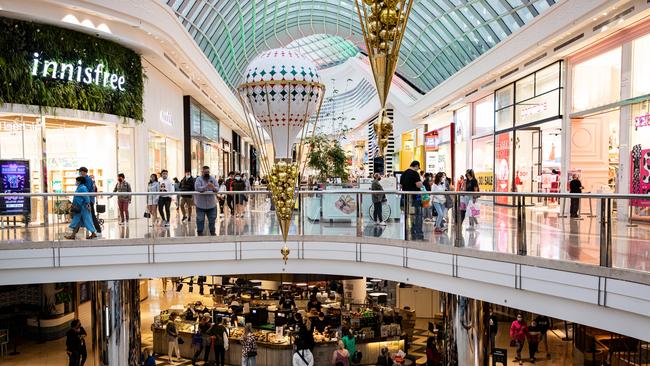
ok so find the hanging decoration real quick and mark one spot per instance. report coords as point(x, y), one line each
point(383, 23)
point(281, 91)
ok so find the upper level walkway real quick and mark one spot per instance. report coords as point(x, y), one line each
point(592, 270)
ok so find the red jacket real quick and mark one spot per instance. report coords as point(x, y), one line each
point(518, 331)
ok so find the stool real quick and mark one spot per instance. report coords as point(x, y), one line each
point(4, 342)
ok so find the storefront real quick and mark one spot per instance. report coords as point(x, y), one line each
point(412, 148)
point(483, 142)
point(528, 129)
point(77, 121)
point(609, 116)
point(439, 150)
point(462, 124)
point(204, 147)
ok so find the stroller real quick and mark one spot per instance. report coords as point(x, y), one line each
point(100, 209)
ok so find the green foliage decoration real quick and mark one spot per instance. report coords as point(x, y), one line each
point(19, 40)
point(327, 157)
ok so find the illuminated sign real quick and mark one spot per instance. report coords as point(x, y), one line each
point(79, 71)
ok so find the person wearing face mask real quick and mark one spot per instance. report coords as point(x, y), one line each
point(152, 200)
point(81, 211)
point(165, 201)
point(206, 201)
point(229, 198)
point(377, 200)
point(123, 201)
point(518, 334)
point(187, 201)
point(240, 199)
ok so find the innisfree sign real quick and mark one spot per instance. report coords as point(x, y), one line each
point(97, 74)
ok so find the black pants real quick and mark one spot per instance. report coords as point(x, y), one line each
point(164, 204)
point(205, 349)
point(84, 355)
point(222, 202)
point(231, 204)
point(219, 355)
point(376, 213)
point(575, 207)
point(74, 359)
point(532, 349)
point(96, 223)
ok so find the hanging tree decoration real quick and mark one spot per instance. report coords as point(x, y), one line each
point(281, 91)
point(383, 23)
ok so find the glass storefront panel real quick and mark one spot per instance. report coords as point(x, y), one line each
point(547, 79)
point(538, 108)
point(461, 133)
point(503, 119)
point(484, 116)
point(504, 97)
point(590, 91)
point(483, 162)
point(640, 69)
point(157, 153)
point(525, 88)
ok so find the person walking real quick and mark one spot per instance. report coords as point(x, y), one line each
point(427, 212)
point(177, 185)
point(377, 200)
point(81, 212)
point(434, 357)
point(219, 342)
point(410, 182)
point(439, 200)
point(172, 338)
point(544, 324)
point(470, 185)
point(229, 197)
point(518, 335)
point(341, 356)
point(152, 200)
point(249, 347)
point(90, 185)
point(165, 200)
point(73, 343)
point(493, 329)
point(123, 201)
point(203, 333)
point(206, 201)
point(575, 186)
point(187, 184)
point(221, 198)
point(240, 199)
point(534, 335)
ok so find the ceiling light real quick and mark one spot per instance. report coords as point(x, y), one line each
point(377, 294)
point(376, 280)
point(301, 284)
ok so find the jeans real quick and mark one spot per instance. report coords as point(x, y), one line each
point(428, 211)
point(186, 206)
point(376, 213)
point(442, 213)
point(164, 204)
point(201, 213)
point(123, 207)
point(416, 226)
point(248, 361)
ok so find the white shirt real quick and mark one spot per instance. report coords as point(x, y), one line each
point(166, 185)
point(306, 354)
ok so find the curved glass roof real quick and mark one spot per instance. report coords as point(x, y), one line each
point(325, 50)
point(442, 36)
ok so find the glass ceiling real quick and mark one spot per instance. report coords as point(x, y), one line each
point(325, 50)
point(442, 36)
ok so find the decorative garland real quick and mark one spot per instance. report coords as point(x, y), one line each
point(77, 81)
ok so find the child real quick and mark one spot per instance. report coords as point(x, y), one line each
point(149, 359)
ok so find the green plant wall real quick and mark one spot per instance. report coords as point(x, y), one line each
point(19, 40)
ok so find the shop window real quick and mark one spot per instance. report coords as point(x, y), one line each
point(483, 162)
point(525, 88)
point(503, 165)
point(640, 69)
point(484, 116)
point(461, 134)
point(538, 108)
point(547, 79)
point(503, 118)
point(504, 99)
point(597, 81)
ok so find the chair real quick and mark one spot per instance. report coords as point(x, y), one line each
point(4, 342)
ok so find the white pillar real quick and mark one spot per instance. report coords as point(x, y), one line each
point(354, 291)
point(623, 177)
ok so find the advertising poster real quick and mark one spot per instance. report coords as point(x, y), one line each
point(502, 166)
point(485, 181)
point(640, 175)
point(14, 178)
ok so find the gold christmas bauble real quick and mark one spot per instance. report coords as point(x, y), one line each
point(391, 3)
point(383, 46)
point(374, 26)
point(388, 16)
point(371, 2)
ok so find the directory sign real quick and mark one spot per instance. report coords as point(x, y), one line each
point(14, 178)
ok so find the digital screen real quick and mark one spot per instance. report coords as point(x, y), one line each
point(14, 178)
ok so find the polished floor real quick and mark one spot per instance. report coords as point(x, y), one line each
point(547, 234)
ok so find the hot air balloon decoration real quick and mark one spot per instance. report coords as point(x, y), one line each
point(281, 91)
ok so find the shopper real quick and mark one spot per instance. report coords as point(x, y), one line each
point(470, 185)
point(148, 358)
point(384, 358)
point(229, 197)
point(219, 342)
point(544, 324)
point(172, 337)
point(152, 200)
point(534, 335)
point(427, 212)
point(493, 328)
point(177, 185)
point(410, 182)
point(377, 200)
point(81, 212)
point(73, 343)
point(438, 200)
point(165, 200)
point(341, 356)
point(249, 347)
point(84, 350)
point(90, 185)
point(221, 197)
point(123, 201)
point(240, 199)
point(206, 201)
point(434, 357)
point(187, 200)
point(203, 339)
point(350, 341)
point(319, 324)
point(518, 334)
point(575, 186)
point(303, 357)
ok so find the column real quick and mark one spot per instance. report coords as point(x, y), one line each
point(625, 115)
point(466, 342)
point(354, 291)
point(116, 322)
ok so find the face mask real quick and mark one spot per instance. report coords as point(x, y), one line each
point(120, 180)
point(238, 178)
point(206, 175)
point(188, 175)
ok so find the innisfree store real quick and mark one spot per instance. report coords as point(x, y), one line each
point(69, 99)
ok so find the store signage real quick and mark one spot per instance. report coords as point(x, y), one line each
point(166, 117)
point(533, 109)
point(431, 141)
point(14, 178)
point(485, 181)
point(79, 71)
point(18, 126)
point(641, 121)
point(640, 174)
point(502, 166)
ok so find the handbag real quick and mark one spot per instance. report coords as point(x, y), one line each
point(180, 340)
point(251, 354)
point(356, 357)
point(75, 209)
point(147, 215)
point(513, 343)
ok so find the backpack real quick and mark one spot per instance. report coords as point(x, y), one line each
point(356, 357)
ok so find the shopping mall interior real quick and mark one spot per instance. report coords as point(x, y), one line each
point(324, 182)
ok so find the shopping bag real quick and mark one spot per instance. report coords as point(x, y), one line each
point(463, 203)
point(473, 209)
